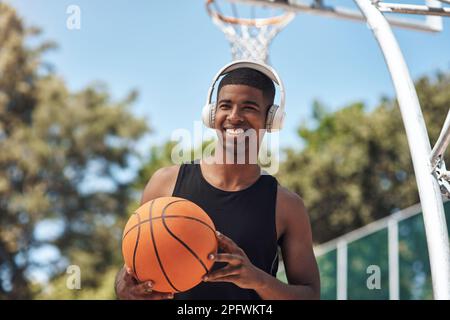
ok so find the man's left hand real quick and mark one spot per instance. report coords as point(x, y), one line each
point(239, 270)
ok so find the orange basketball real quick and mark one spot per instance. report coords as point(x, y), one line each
point(168, 240)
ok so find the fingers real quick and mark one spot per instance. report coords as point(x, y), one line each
point(232, 259)
point(227, 244)
point(221, 273)
point(129, 271)
point(231, 278)
point(133, 290)
point(143, 288)
point(129, 276)
point(150, 295)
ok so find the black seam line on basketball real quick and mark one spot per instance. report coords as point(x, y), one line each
point(136, 246)
point(156, 249)
point(179, 240)
point(167, 217)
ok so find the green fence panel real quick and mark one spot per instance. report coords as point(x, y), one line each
point(368, 267)
point(328, 269)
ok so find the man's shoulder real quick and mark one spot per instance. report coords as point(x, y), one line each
point(288, 199)
point(164, 173)
point(290, 206)
point(161, 183)
point(292, 212)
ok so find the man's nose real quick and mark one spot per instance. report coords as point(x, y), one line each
point(235, 115)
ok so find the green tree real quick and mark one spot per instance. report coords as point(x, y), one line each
point(161, 156)
point(356, 167)
point(57, 147)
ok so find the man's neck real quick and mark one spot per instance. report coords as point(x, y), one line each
point(230, 177)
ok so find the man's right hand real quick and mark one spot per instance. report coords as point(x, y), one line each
point(127, 288)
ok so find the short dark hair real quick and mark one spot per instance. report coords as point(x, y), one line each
point(251, 78)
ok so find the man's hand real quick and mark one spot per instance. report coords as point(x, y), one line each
point(239, 270)
point(127, 288)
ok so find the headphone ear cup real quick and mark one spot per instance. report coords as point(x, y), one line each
point(209, 114)
point(270, 117)
point(275, 118)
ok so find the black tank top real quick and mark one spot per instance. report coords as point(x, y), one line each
point(246, 216)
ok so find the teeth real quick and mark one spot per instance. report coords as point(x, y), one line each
point(235, 131)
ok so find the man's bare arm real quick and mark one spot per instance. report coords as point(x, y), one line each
point(298, 256)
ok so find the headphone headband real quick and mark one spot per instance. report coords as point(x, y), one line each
point(258, 66)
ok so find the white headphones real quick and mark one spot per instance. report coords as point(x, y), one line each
point(275, 115)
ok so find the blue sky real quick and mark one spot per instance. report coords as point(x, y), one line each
point(170, 50)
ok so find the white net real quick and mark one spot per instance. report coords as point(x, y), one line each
point(249, 38)
point(250, 42)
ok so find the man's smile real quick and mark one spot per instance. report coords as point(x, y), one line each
point(234, 131)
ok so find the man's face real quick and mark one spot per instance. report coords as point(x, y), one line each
point(241, 116)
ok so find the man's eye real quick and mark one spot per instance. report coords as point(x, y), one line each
point(250, 108)
point(224, 106)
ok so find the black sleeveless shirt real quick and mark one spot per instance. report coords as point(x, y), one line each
point(246, 216)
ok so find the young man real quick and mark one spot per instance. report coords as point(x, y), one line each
point(252, 212)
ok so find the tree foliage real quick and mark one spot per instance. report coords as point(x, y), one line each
point(162, 156)
point(54, 144)
point(356, 167)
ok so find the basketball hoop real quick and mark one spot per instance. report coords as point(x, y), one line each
point(249, 37)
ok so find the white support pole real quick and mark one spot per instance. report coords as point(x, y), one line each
point(394, 274)
point(435, 22)
point(341, 270)
point(344, 13)
point(413, 9)
point(429, 193)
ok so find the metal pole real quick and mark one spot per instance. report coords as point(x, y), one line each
point(394, 274)
point(429, 193)
point(342, 13)
point(341, 270)
point(413, 9)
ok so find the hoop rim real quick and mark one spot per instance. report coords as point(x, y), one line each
point(280, 19)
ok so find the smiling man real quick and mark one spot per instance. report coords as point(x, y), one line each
point(254, 214)
point(241, 129)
